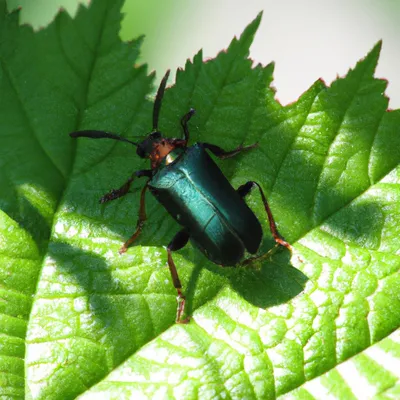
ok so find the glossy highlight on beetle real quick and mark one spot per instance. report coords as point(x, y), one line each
point(189, 184)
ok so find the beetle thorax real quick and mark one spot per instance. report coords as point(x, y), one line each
point(160, 150)
point(163, 149)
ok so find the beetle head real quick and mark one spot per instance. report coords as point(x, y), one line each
point(156, 147)
point(145, 148)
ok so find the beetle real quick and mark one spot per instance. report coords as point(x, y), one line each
point(194, 191)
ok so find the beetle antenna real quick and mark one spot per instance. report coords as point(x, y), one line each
point(100, 135)
point(158, 100)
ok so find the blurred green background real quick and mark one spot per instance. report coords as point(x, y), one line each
point(307, 39)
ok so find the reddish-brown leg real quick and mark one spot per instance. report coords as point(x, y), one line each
point(280, 241)
point(179, 241)
point(123, 190)
point(140, 222)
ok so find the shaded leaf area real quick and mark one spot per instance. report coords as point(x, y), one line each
point(94, 323)
point(72, 69)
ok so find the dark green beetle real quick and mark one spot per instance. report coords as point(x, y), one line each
point(188, 183)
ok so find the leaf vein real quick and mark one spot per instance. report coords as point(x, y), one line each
point(317, 186)
point(31, 130)
point(275, 178)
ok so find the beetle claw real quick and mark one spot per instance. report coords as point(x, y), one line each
point(122, 250)
point(183, 321)
point(181, 300)
point(111, 195)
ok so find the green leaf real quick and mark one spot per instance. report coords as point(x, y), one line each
point(373, 373)
point(39, 13)
point(78, 319)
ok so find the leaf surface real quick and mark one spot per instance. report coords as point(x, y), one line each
point(78, 319)
point(40, 13)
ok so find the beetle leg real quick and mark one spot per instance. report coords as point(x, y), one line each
point(140, 223)
point(123, 190)
point(245, 190)
point(184, 122)
point(222, 154)
point(179, 241)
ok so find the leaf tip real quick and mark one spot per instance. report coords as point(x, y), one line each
point(375, 51)
point(371, 59)
point(378, 46)
point(252, 28)
point(246, 38)
point(259, 16)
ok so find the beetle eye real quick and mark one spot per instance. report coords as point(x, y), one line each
point(141, 152)
point(155, 135)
